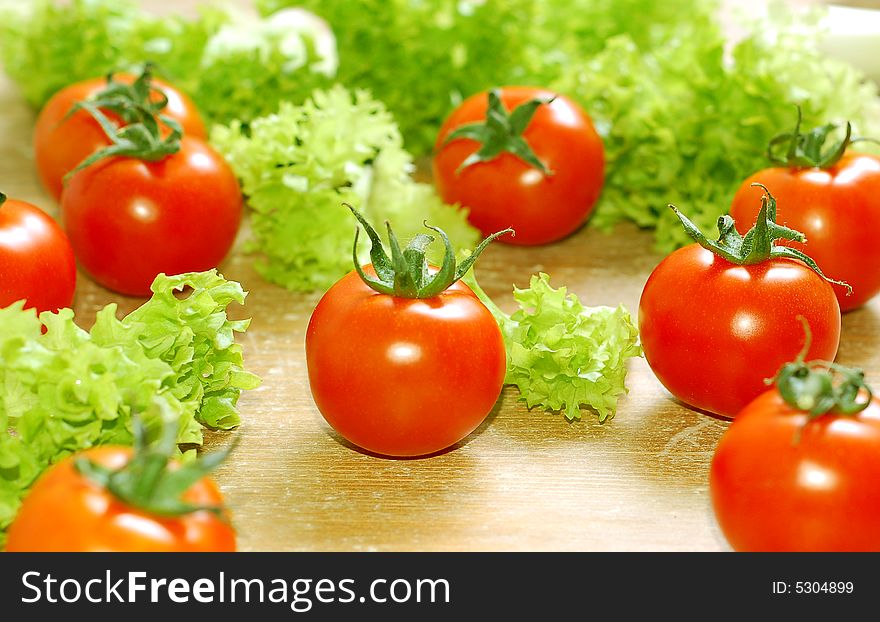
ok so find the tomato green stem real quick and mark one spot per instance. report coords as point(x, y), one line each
point(141, 135)
point(131, 102)
point(756, 246)
point(147, 483)
point(819, 387)
point(501, 132)
point(406, 273)
point(2, 199)
point(805, 150)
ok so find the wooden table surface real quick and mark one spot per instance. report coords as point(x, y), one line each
point(523, 481)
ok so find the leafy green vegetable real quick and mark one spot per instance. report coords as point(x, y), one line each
point(684, 123)
point(250, 66)
point(422, 58)
point(299, 166)
point(234, 66)
point(46, 45)
point(683, 115)
point(68, 389)
point(562, 355)
point(682, 120)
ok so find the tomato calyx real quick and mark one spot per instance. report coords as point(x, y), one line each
point(141, 135)
point(501, 132)
point(756, 246)
point(805, 150)
point(129, 101)
point(3, 198)
point(406, 274)
point(147, 483)
point(819, 387)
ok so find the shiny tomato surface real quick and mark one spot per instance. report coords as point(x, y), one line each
point(713, 331)
point(67, 512)
point(36, 259)
point(400, 376)
point(129, 220)
point(838, 209)
point(61, 142)
point(779, 483)
point(508, 192)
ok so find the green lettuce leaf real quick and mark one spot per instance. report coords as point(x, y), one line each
point(423, 58)
point(684, 118)
point(685, 115)
point(68, 389)
point(234, 66)
point(685, 122)
point(248, 67)
point(46, 45)
point(299, 166)
point(561, 355)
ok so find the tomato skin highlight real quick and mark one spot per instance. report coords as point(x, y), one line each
point(507, 192)
point(66, 512)
point(712, 332)
point(400, 376)
point(36, 259)
point(773, 491)
point(60, 143)
point(838, 209)
point(129, 220)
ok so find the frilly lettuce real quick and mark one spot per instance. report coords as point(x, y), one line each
point(686, 121)
point(684, 115)
point(67, 389)
point(233, 65)
point(684, 118)
point(422, 58)
point(561, 355)
point(299, 166)
point(250, 66)
point(46, 45)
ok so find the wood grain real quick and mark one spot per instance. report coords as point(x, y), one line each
point(523, 481)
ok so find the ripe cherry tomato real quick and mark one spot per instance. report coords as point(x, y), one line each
point(779, 483)
point(60, 143)
point(838, 208)
point(403, 376)
point(129, 220)
point(507, 191)
point(713, 331)
point(66, 511)
point(36, 259)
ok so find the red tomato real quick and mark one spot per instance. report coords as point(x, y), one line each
point(67, 512)
point(61, 144)
point(129, 220)
point(837, 208)
point(779, 483)
point(713, 331)
point(36, 260)
point(403, 376)
point(508, 192)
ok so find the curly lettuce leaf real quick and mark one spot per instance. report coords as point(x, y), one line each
point(234, 66)
point(423, 58)
point(685, 122)
point(68, 389)
point(683, 116)
point(46, 45)
point(300, 165)
point(248, 67)
point(561, 355)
